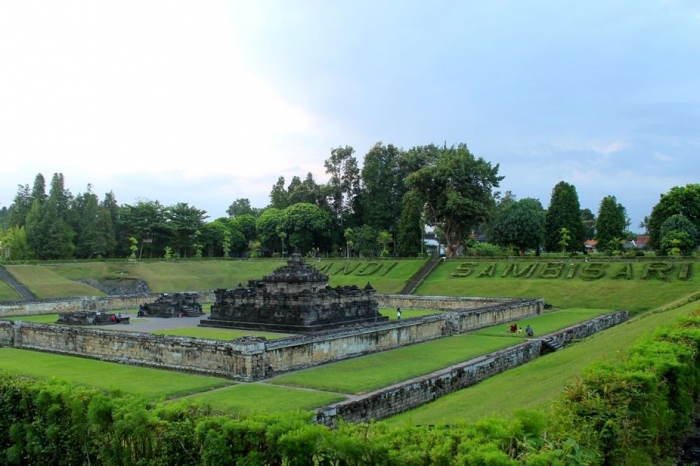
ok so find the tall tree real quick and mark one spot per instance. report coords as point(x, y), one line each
point(683, 200)
point(344, 183)
point(383, 188)
point(611, 224)
point(49, 233)
point(21, 205)
point(93, 228)
point(410, 236)
point(110, 208)
point(457, 193)
point(520, 225)
point(678, 233)
point(146, 221)
point(306, 227)
point(184, 221)
point(589, 223)
point(266, 226)
point(279, 198)
point(240, 207)
point(564, 212)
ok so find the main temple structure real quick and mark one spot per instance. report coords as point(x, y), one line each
point(295, 298)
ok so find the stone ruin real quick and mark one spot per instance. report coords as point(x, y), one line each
point(295, 298)
point(89, 318)
point(174, 305)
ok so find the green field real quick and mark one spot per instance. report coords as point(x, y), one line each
point(256, 397)
point(534, 385)
point(151, 383)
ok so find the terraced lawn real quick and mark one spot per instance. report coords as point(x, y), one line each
point(151, 383)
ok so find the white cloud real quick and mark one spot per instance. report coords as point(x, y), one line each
point(96, 89)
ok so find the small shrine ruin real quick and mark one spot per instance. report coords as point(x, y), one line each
point(295, 298)
point(173, 305)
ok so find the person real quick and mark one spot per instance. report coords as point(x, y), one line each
point(112, 318)
point(398, 313)
point(119, 318)
point(529, 331)
point(513, 328)
point(520, 330)
point(140, 313)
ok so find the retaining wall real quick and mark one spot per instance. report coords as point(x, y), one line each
point(416, 392)
point(251, 358)
point(91, 303)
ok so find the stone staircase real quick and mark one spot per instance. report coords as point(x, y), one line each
point(550, 345)
point(420, 275)
point(22, 290)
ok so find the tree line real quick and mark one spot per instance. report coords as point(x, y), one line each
point(381, 209)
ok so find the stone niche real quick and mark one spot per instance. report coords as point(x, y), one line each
point(294, 298)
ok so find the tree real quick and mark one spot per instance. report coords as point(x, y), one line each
point(383, 188)
point(384, 238)
point(678, 232)
point(564, 212)
point(364, 241)
point(247, 225)
point(683, 200)
point(146, 221)
point(240, 207)
point(589, 223)
point(611, 223)
point(266, 226)
point(342, 190)
point(520, 225)
point(306, 226)
point(93, 227)
point(457, 193)
point(184, 221)
point(410, 237)
point(279, 198)
point(21, 205)
point(49, 233)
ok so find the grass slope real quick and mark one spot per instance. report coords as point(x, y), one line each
point(45, 283)
point(635, 295)
point(7, 293)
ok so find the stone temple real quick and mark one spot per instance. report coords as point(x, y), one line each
point(295, 298)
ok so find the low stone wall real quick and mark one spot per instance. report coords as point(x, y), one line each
point(443, 303)
point(251, 359)
point(92, 303)
point(416, 392)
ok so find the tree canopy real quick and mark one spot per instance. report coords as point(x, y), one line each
point(456, 191)
point(683, 200)
point(564, 212)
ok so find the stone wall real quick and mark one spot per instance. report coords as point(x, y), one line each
point(249, 358)
point(416, 392)
point(93, 303)
point(444, 303)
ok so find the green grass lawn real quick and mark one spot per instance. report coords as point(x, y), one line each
point(634, 295)
point(257, 397)
point(40, 319)
point(407, 313)
point(378, 370)
point(151, 383)
point(171, 276)
point(45, 283)
point(537, 384)
point(7, 293)
point(217, 333)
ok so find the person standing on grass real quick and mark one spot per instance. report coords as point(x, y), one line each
point(398, 313)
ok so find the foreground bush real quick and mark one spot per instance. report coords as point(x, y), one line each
point(632, 411)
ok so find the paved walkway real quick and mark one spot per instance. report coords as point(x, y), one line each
point(151, 324)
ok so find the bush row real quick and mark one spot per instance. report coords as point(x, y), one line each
point(631, 411)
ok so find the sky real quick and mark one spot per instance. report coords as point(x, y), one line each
point(208, 102)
